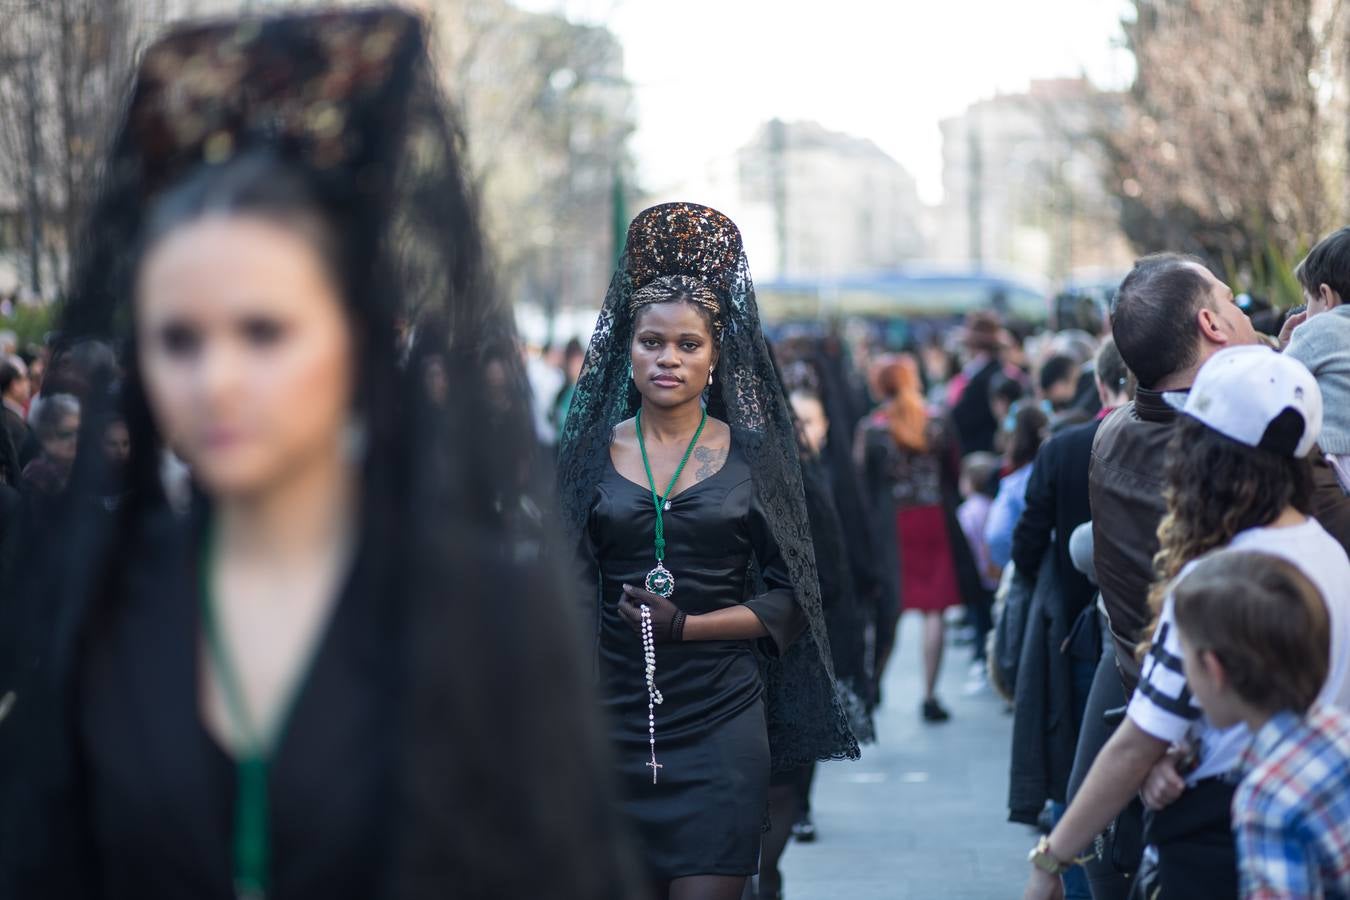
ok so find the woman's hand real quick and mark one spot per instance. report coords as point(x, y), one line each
point(1043, 886)
point(1163, 786)
point(667, 619)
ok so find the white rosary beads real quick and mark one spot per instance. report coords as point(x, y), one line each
point(654, 697)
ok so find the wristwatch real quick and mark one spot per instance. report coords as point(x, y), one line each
point(1041, 857)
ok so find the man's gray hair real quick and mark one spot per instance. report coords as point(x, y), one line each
point(51, 412)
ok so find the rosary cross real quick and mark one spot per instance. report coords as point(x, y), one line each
point(654, 765)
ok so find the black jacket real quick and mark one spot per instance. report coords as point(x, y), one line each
point(1126, 482)
point(21, 435)
point(974, 421)
point(1057, 503)
point(1045, 730)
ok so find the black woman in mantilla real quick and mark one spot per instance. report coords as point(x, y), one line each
point(310, 684)
point(680, 479)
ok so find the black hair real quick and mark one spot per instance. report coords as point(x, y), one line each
point(1153, 315)
point(9, 373)
point(1327, 263)
point(1056, 369)
point(1001, 387)
point(256, 183)
point(678, 290)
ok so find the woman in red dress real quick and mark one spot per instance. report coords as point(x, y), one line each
point(910, 468)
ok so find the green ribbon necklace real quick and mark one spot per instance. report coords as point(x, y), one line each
point(659, 580)
point(252, 840)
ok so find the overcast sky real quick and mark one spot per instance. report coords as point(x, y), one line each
point(708, 72)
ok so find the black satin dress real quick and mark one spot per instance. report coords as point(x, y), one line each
point(705, 814)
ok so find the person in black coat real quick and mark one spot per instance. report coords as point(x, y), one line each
point(974, 421)
point(15, 390)
point(1062, 644)
point(1057, 494)
point(1057, 503)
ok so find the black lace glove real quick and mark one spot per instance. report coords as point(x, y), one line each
point(667, 618)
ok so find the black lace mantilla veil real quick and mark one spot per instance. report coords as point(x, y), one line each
point(806, 717)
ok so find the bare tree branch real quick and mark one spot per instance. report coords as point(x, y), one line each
point(1221, 151)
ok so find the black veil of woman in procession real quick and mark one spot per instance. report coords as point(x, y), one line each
point(847, 621)
point(439, 738)
point(728, 693)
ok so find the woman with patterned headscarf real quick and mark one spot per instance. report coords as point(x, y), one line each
point(909, 467)
point(680, 480)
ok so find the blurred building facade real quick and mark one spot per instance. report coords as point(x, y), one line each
point(837, 204)
point(813, 204)
point(1024, 183)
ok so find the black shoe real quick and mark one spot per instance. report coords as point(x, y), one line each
point(804, 830)
point(933, 711)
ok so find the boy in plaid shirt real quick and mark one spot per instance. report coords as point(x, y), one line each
point(1255, 639)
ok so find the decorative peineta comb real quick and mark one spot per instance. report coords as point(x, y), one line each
point(683, 239)
point(323, 89)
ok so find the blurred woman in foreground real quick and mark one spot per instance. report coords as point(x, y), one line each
point(340, 675)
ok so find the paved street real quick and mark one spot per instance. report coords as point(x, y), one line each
point(922, 815)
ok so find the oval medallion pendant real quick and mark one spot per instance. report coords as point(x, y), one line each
point(660, 582)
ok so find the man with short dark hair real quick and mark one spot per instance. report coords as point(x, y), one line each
point(1169, 316)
